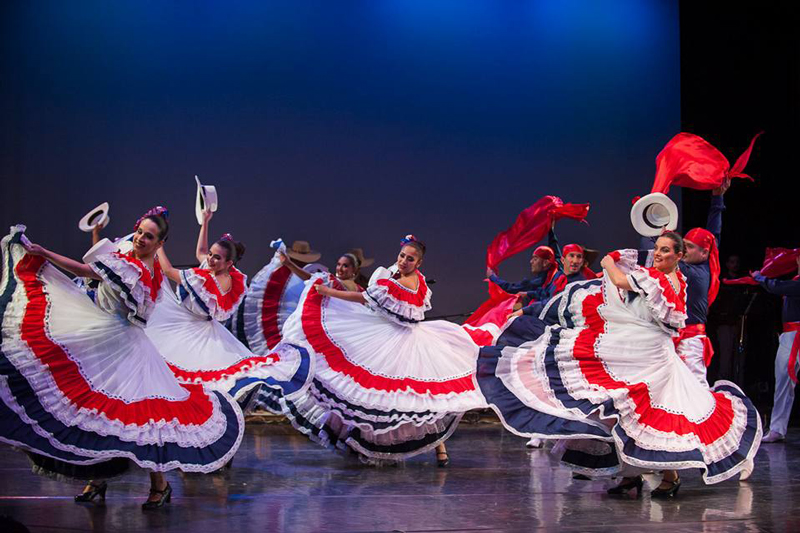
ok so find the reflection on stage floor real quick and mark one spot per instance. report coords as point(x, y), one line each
point(280, 481)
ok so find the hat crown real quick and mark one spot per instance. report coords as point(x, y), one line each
point(301, 247)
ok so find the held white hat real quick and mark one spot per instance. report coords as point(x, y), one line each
point(97, 217)
point(654, 213)
point(105, 246)
point(206, 198)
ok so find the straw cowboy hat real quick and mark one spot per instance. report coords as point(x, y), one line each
point(302, 251)
point(363, 261)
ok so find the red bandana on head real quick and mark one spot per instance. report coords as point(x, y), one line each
point(588, 273)
point(547, 253)
point(705, 240)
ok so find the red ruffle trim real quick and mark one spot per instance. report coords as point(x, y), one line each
point(216, 375)
point(271, 304)
point(677, 299)
point(226, 301)
point(152, 281)
point(335, 358)
point(398, 292)
point(196, 409)
point(593, 369)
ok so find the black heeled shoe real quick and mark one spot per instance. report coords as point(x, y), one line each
point(441, 463)
point(91, 492)
point(626, 486)
point(671, 492)
point(166, 496)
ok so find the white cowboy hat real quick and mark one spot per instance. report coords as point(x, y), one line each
point(105, 246)
point(96, 218)
point(654, 213)
point(206, 198)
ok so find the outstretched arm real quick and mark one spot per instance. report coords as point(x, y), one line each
point(616, 275)
point(166, 266)
point(714, 222)
point(70, 265)
point(201, 252)
point(552, 242)
point(296, 270)
point(348, 296)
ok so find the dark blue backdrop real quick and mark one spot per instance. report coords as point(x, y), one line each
point(342, 123)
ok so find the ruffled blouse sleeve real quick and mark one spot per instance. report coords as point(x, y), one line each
point(130, 282)
point(400, 304)
point(666, 303)
point(204, 289)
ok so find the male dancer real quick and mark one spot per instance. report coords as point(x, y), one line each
point(545, 272)
point(786, 358)
point(701, 268)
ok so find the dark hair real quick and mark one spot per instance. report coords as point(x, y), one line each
point(417, 245)
point(679, 246)
point(162, 223)
point(233, 249)
point(353, 259)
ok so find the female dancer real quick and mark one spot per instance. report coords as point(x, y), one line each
point(607, 375)
point(347, 270)
point(83, 388)
point(197, 347)
point(386, 384)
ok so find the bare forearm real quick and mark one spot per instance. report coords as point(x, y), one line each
point(348, 296)
point(169, 271)
point(201, 252)
point(296, 270)
point(617, 277)
point(70, 265)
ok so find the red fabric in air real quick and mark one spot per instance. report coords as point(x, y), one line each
point(690, 161)
point(530, 227)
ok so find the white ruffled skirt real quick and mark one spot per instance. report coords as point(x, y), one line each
point(82, 386)
point(199, 350)
point(386, 390)
point(609, 374)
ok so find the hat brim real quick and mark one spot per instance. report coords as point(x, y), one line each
point(206, 198)
point(309, 257)
point(639, 211)
point(97, 217)
point(103, 246)
point(367, 262)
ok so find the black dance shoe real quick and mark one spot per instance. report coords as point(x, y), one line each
point(626, 486)
point(442, 459)
point(166, 496)
point(670, 492)
point(91, 492)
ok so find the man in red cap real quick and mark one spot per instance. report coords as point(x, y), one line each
point(701, 268)
point(539, 286)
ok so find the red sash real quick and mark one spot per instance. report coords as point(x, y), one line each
point(695, 330)
point(789, 327)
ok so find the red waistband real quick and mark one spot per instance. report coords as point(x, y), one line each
point(791, 326)
point(693, 330)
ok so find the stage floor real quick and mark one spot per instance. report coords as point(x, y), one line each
point(283, 482)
